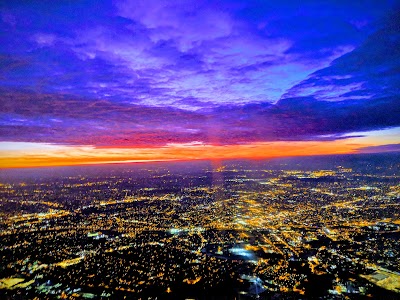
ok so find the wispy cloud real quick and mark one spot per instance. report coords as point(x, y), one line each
point(380, 148)
point(163, 53)
point(371, 70)
point(134, 74)
point(56, 119)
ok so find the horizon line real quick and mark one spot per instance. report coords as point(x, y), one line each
point(137, 162)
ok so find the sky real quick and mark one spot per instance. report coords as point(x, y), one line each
point(87, 82)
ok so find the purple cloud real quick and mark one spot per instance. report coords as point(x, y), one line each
point(381, 148)
point(161, 53)
point(368, 71)
point(60, 119)
point(135, 73)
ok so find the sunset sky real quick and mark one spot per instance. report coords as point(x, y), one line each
point(86, 82)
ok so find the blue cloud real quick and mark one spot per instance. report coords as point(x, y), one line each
point(154, 72)
point(381, 148)
point(368, 71)
point(49, 118)
point(160, 53)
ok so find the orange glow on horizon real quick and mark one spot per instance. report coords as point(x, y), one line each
point(55, 155)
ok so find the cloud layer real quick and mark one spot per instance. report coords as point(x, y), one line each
point(46, 118)
point(154, 73)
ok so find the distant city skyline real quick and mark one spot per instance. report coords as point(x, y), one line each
point(87, 82)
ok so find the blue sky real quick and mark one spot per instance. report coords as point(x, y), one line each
point(134, 73)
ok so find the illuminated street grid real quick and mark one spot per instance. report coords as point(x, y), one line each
point(240, 230)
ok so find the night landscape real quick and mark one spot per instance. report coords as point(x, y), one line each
point(199, 149)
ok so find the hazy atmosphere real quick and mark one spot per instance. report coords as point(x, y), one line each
point(116, 81)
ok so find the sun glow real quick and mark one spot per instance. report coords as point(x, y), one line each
point(14, 155)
